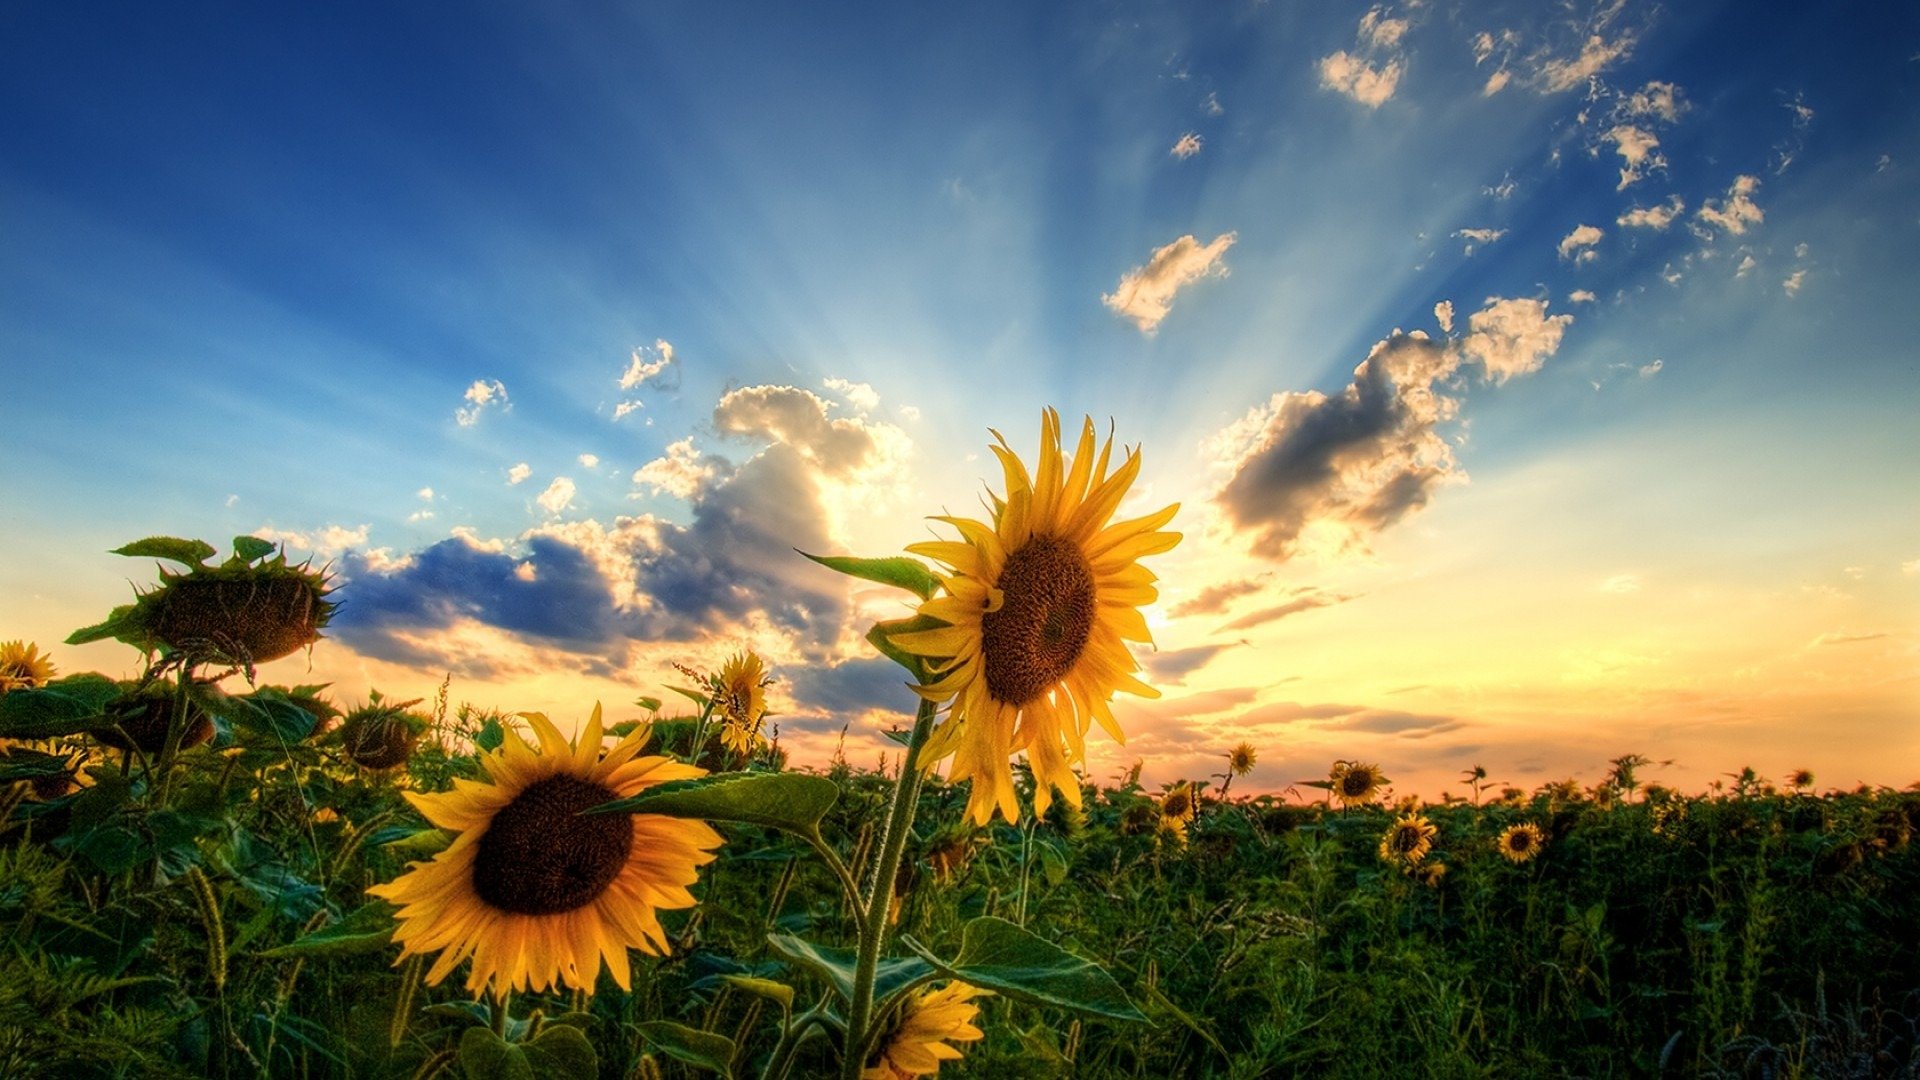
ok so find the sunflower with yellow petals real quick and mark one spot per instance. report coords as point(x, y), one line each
point(930, 1020)
point(1039, 605)
point(1408, 840)
point(23, 666)
point(535, 894)
point(740, 701)
point(1520, 843)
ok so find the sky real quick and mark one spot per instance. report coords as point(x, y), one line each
point(1537, 381)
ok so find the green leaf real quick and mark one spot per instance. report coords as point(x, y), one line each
point(696, 696)
point(368, 928)
point(269, 714)
point(838, 966)
point(881, 637)
point(122, 623)
point(1160, 1000)
point(248, 548)
point(997, 955)
point(65, 707)
point(188, 553)
point(559, 1052)
point(19, 763)
point(649, 703)
point(422, 843)
point(701, 1049)
point(766, 988)
point(898, 571)
point(794, 802)
point(491, 736)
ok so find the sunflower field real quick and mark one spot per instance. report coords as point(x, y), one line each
point(202, 874)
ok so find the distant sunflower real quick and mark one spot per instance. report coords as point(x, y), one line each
point(1039, 605)
point(740, 700)
point(931, 1019)
point(1800, 779)
point(535, 894)
point(1241, 758)
point(1430, 874)
point(1519, 843)
point(23, 666)
point(1355, 783)
point(1177, 809)
point(1408, 840)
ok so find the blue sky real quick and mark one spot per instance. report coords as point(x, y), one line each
point(332, 276)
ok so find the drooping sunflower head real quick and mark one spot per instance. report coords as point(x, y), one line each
point(1039, 605)
point(382, 734)
point(1408, 840)
point(534, 891)
point(1519, 843)
point(1241, 758)
point(919, 1041)
point(23, 666)
point(1355, 783)
point(140, 716)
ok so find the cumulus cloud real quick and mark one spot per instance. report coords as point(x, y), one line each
point(1657, 100)
point(1512, 337)
point(1475, 237)
point(483, 394)
point(646, 367)
point(1652, 217)
point(1578, 244)
point(1558, 73)
point(1581, 296)
point(860, 395)
point(519, 473)
point(1648, 371)
point(1175, 665)
point(1443, 314)
point(558, 496)
point(1187, 146)
point(1360, 80)
point(1146, 293)
point(1737, 212)
point(589, 461)
point(326, 540)
point(1794, 281)
point(1639, 151)
point(682, 473)
point(799, 419)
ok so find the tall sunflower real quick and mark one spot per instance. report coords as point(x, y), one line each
point(1407, 840)
point(535, 894)
point(740, 700)
point(23, 666)
point(1241, 758)
point(1356, 782)
point(1039, 603)
point(918, 1044)
point(1519, 843)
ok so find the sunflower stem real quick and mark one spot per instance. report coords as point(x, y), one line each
point(176, 730)
point(873, 925)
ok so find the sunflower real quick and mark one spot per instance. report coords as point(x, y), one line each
point(1356, 783)
point(1177, 810)
point(382, 735)
point(1039, 605)
point(1408, 840)
point(931, 1019)
point(23, 666)
point(1430, 874)
point(1519, 843)
point(740, 700)
point(535, 894)
point(1241, 758)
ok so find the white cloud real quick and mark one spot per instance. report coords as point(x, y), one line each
point(1648, 371)
point(625, 407)
point(1596, 55)
point(1380, 31)
point(1187, 146)
point(1443, 314)
point(1738, 212)
point(640, 368)
point(419, 516)
point(1911, 568)
point(857, 394)
point(483, 393)
point(327, 540)
point(1502, 190)
point(1146, 293)
point(232, 499)
point(1581, 296)
point(589, 461)
point(1496, 82)
point(1746, 266)
point(1794, 281)
point(1476, 237)
point(681, 473)
point(1578, 244)
point(519, 473)
point(425, 493)
point(1212, 106)
point(1652, 217)
point(1639, 149)
point(558, 496)
point(1355, 77)
point(1659, 100)
point(910, 413)
point(1513, 337)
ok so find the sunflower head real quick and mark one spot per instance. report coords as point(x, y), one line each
point(1356, 783)
point(250, 609)
point(1519, 843)
point(1038, 605)
point(23, 666)
point(381, 735)
point(1139, 817)
point(1430, 874)
point(1241, 758)
point(1407, 840)
point(1178, 802)
point(533, 890)
point(930, 1020)
point(140, 716)
point(1800, 779)
point(740, 701)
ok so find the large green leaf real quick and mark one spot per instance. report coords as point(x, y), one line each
point(897, 571)
point(188, 553)
point(368, 928)
point(839, 966)
point(701, 1049)
point(64, 707)
point(268, 713)
point(794, 802)
point(559, 1052)
point(997, 955)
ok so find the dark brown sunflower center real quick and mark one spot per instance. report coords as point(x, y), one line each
point(1406, 839)
point(1520, 841)
point(1043, 625)
point(1356, 783)
point(539, 857)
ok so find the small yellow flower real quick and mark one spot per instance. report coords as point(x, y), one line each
point(1519, 843)
point(931, 1019)
point(1355, 783)
point(1408, 840)
point(1177, 810)
point(740, 701)
point(23, 666)
point(1240, 760)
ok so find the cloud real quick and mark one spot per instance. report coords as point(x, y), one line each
point(1476, 237)
point(326, 540)
point(1146, 293)
point(589, 461)
point(1652, 217)
point(1513, 337)
point(1215, 599)
point(643, 369)
point(857, 394)
point(1737, 212)
point(558, 496)
point(1174, 666)
point(1380, 31)
point(1212, 106)
point(1837, 638)
point(1656, 100)
point(799, 419)
point(481, 395)
point(519, 473)
point(1648, 371)
point(832, 694)
point(1308, 602)
point(1620, 584)
point(1443, 314)
point(425, 494)
point(1794, 281)
point(1578, 244)
point(1556, 74)
point(1638, 149)
point(1187, 146)
point(1581, 296)
point(682, 473)
point(1360, 80)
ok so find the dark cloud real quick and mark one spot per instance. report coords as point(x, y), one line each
point(1176, 665)
point(847, 690)
point(1215, 599)
point(1292, 607)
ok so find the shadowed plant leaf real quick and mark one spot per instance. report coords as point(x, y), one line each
point(367, 928)
point(559, 1052)
point(838, 966)
point(997, 955)
point(701, 1049)
point(794, 802)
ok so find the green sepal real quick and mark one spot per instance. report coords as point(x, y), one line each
point(1000, 956)
point(838, 966)
point(701, 1049)
point(191, 554)
point(897, 571)
point(122, 623)
point(559, 1052)
point(881, 637)
point(793, 802)
point(368, 928)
